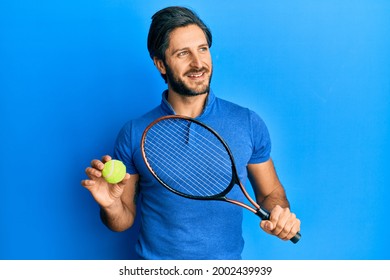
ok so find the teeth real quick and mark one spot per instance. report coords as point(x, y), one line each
point(196, 75)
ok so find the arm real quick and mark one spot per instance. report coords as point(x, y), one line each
point(121, 215)
point(117, 202)
point(271, 195)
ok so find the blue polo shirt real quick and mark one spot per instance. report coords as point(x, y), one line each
point(173, 227)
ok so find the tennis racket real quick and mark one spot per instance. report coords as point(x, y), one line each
point(190, 159)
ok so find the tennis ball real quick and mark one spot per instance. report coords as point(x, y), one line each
point(114, 171)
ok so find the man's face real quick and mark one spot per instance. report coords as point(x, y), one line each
point(188, 64)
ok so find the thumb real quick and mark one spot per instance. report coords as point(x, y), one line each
point(267, 226)
point(117, 189)
point(124, 180)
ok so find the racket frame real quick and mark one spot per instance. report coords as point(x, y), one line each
point(220, 196)
point(257, 209)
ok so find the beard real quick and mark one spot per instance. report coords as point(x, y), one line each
point(180, 87)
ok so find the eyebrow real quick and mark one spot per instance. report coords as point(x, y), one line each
point(187, 48)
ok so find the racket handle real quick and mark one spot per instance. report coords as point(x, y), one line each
point(264, 215)
point(296, 238)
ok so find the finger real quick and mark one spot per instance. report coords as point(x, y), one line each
point(99, 165)
point(294, 229)
point(282, 228)
point(106, 158)
point(267, 226)
point(291, 227)
point(287, 233)
point(274, 217)
point(93, 173)
point(88, 184)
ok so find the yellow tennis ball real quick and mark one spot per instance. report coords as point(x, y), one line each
point(114, 171)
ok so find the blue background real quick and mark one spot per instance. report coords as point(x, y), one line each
point(73, 72)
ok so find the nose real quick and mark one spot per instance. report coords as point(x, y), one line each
point(196, 61)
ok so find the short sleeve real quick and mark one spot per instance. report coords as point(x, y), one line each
point(123, 149)
point(260, 139)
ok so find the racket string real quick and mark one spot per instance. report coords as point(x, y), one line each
point(175, 149)
point(200, 144)
point(191, 174)
point(179, 182)
point(201, 151)
point(221, 149)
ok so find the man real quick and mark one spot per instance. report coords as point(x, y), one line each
point(173, 227)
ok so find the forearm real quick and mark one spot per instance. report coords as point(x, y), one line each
point(268, 189)
point(271, 195)
point(117, 217)
point(276, 197)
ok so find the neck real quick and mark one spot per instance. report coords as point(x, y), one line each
point(190, 106)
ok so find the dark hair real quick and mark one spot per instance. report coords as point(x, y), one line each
point(164, 22)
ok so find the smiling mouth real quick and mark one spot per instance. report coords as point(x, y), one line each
point(196, 75)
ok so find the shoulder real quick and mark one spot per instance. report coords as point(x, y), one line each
point(127, 144)
point(131, 132)
point(141, 122)
point(223, 103)
point(237, 113)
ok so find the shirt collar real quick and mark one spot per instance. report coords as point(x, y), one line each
point(168, 110)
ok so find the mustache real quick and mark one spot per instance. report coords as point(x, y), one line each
point(196, 71)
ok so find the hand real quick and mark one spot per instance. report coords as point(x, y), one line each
point(282, 223)
point(104, 193)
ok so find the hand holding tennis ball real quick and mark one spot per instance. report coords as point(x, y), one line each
point(106, 186)
point(114, 171)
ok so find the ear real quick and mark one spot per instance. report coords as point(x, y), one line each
point(160, 65)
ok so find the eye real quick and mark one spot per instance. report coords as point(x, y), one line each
point(182, 53)
point(204, 49)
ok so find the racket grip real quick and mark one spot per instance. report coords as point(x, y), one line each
point(264, 215)
point(296, 238)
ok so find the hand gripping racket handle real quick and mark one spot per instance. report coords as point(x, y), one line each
point(264, 215)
